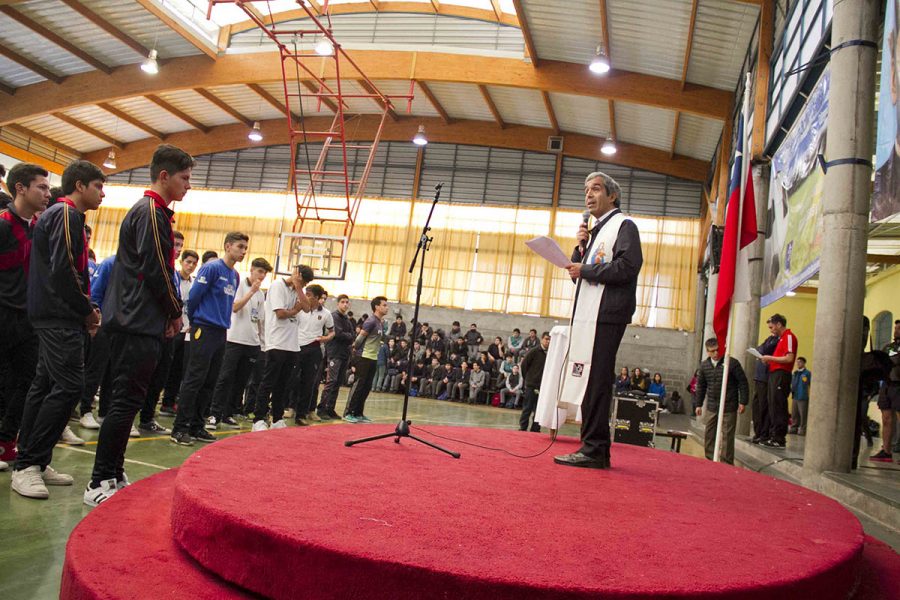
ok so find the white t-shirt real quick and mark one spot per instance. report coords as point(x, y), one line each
point(248, 324)
point(184, 286)
point(313, 325)
point(281, 334)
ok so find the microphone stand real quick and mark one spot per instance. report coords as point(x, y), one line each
point(402, 428)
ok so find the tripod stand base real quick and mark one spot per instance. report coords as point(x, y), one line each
point(401, 431)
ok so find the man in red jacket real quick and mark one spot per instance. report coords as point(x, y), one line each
point(781, 366)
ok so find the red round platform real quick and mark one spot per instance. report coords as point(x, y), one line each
point(125, 550)
point(293, 513)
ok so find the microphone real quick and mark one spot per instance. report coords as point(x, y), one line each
point(586, 216)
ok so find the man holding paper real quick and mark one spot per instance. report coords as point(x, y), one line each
point(604, 267)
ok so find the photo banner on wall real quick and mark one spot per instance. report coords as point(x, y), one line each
point(794, 217)
point(886, 194)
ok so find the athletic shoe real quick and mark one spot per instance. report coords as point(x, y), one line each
point(182, 438)
point(53, 477)
point(279, 424)
point(211, 424)
point(773, 444)
point(300, 423)
point(167, 411)
point(334, 415)
point(100, 419)
point(4, 466)
point(134, 432)
point(323, 416)
point(68, 437)
point(312, 416)
point(88, 421)
point(351, 418)
point(882, 456)
point(98, 495)
point(122, 483)
point(259, 426)
point(363, 419)
point(231, 423)
point(29, 483)
point(8, 451)
point(289, 413)
point(757, 440)
point(153, 427)
point(201, 435)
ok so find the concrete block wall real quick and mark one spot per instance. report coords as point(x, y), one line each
point(669, 352)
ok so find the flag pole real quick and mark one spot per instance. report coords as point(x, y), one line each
point(745, 109)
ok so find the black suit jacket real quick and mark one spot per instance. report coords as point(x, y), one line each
point(619, 274)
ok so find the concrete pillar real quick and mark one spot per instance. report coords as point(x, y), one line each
point(711, 288)
point(746, 315)
point(829, 437)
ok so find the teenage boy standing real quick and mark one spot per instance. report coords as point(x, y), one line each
point(370, 339)
point(246, 336)
point(283, 303)
point(30, 188)
point(141, 309)
point(338, 356)
point(209, 308)
point(60, 309)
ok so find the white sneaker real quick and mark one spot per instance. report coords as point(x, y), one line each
point(289, 413)
point(97, 496)
point(279, 424)
point(53, 477)
point(312, 416)
point(89, 422)
point(260, 426)
point(4, 466)
point(124, 483)
point(68, 437)
point(211, 424)
point(134, 433)
point(29, 483)
point(100, 419)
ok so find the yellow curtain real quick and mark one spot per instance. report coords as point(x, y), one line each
point(507, 276)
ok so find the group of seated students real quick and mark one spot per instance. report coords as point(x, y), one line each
point(639, 380)
point(451, 365)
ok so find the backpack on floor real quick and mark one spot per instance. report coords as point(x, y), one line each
point(495, 399)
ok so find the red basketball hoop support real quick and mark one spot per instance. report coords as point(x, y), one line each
point(302, 82)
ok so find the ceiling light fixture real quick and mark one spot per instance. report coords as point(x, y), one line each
point(790, 293)
point(110, 162)
point(255, 134)
point(600, 62)
point(609, 146)
point(151, 65)
point(419, 139)
point(323, 47)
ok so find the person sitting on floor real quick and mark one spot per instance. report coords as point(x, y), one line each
point(623, 381)
point(511, 387)
point(659, 388)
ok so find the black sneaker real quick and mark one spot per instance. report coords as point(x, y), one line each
point(182, 438)
point(300, 423)
point(334, 415)
point(153, 427)
point(202, 435)
point(323, 415)
point(757, 440)
point(168, 411)
point(882, 456)
point(230, 423)
point(773, 444)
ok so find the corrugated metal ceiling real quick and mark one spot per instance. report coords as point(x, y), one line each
point(198, 107)
point(645, 125)
point(721, 39)
point(518, 105)
point(461, 101)
point(64, 133)
point(698, 136)
point(107, 123)
point(581, 114)
point(151, 115)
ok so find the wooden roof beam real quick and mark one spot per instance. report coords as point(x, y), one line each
point(221, 104)
point(521, 137)
point(436, 6)
point(30, 64)
point(763, 71)
point(613, 133)
point(177, 113)
point(203, 45)
point(435, 103)
point(526, 33)
point(385, 105)
point(690, 43)
point(675, 134)
point(309, 85)
point(495, 4)
point(491, 106)
point(265, 95)
point(88, 129)
point(42, 138)
point(551, 114)
point(239, 69)
point(604, 29)
point(121, 114)
point(55, 38)
point(107, 26)
point(7, 89)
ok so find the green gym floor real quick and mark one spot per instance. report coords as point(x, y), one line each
point(33, 533)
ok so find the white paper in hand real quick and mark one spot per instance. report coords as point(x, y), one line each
point(753, 352)
point(549, 249)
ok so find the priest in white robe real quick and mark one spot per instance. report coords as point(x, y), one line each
point(605, 267)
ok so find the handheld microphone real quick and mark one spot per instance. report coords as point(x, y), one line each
point(586, 216)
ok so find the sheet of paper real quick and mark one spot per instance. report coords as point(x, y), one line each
point(753, 352)
point(549, 249)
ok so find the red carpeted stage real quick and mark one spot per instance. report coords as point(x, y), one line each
point(295, 514)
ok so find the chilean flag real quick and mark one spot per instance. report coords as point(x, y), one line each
point(734, 280)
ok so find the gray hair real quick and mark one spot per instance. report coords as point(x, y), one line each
point(609, 183)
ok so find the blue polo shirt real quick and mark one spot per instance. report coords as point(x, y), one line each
point(212, 296)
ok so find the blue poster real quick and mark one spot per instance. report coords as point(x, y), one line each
point(885, 197)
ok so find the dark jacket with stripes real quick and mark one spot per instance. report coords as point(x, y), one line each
point(59, 289)
point(15, 250)
point(709, 386)
point(141, 296)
